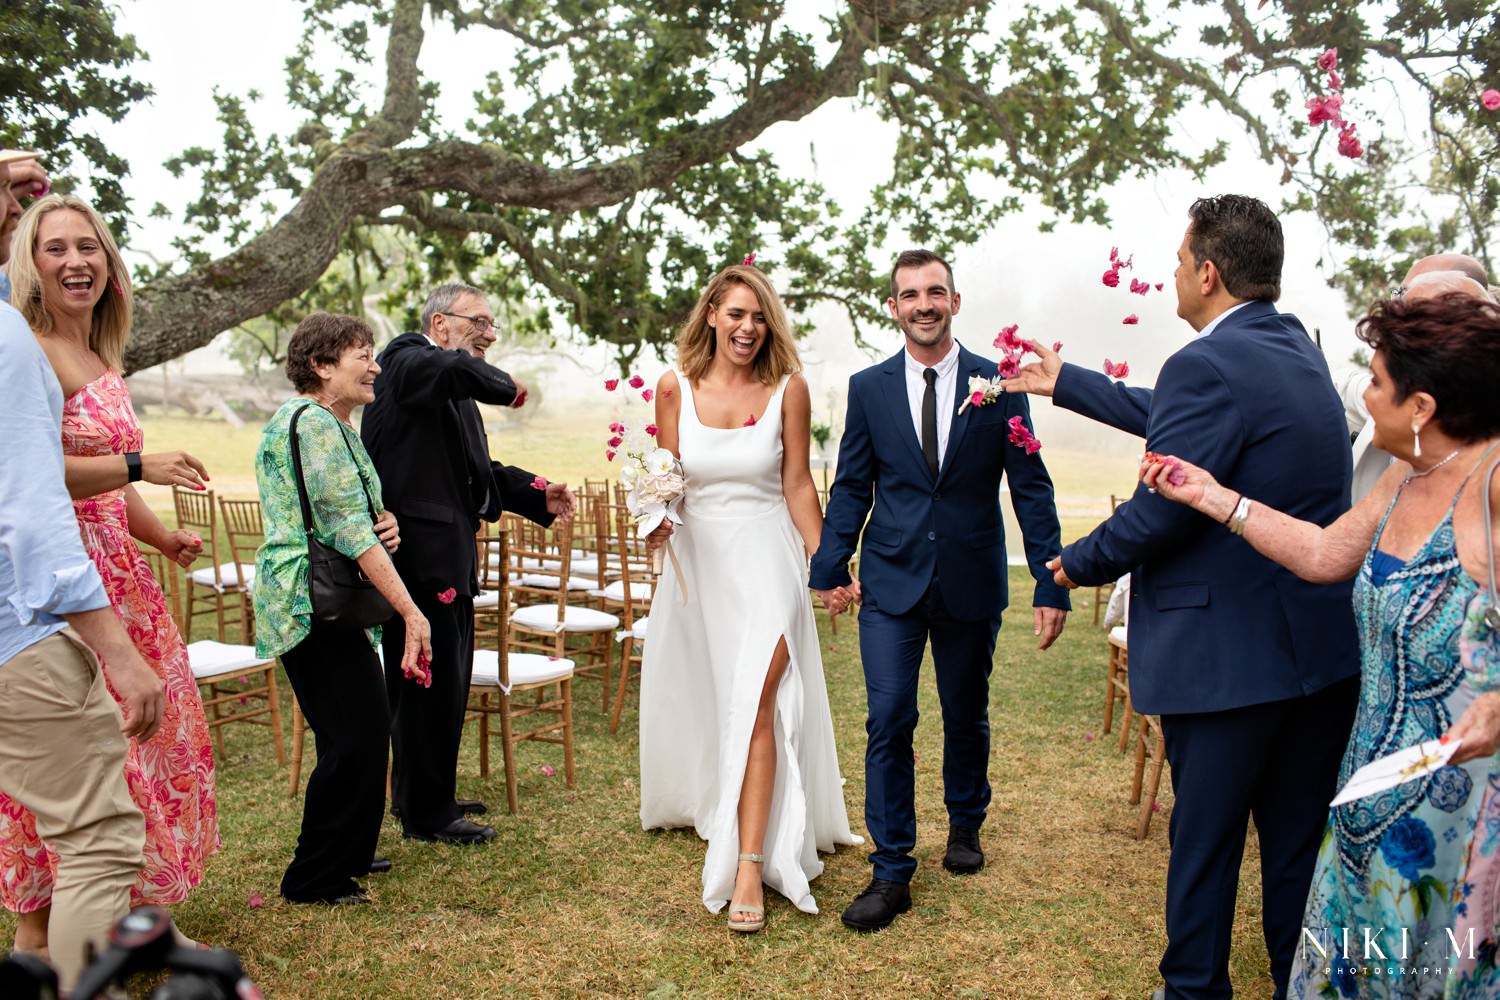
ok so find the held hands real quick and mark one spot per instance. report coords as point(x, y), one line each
point(560, 501)
point(839, 599)
point(1047, 624)
point(416, 659)
point(173, 468)
point(1040, 377)
point(388, 531)
point(1060, 575)
point(140, 693)
point(1478, 727)
point(182, 547)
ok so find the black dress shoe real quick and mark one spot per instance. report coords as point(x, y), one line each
point(379, 866)
point(471, 807)
point(964, 856)
point(460, 831)
point(880, 903)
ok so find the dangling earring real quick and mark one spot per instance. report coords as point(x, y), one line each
point(1416, 437)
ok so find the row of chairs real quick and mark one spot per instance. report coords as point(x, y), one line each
point(1143, 788)
point(553, 605)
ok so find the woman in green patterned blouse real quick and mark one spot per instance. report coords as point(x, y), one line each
point(336, 674)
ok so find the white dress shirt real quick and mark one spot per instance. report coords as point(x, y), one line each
point(946, 389)
point(1213, 324)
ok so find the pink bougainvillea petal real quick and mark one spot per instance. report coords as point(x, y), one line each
point(609, 456)
point(1056, 346)
point(539, 482)
point(1158, 286)
point(976, 399)
point(636, 381)
point(1349, 144)
point(1113, 370)
point(548, 770)
point(749, 260)
point(648, 394)
point(1131, 320)
point(750, 422)
point(1007, 340)
point(611, 384)
point(1335, 82)
point(1139, 287)
point(447, 596)
point(256, 900)
point(1490, 100)
point(651, 430)
point(1325, 108)
point(1329, 60)
point(615, 441)
point(1088, 737)
point(1111, 278)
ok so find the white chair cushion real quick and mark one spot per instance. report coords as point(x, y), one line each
point(543, 618)
point(525, 669)
point(639, 631)
point(210, 659)
point(487, 599)
point(205, 577)
point(616, 591)
point(1118, 633)
point(541, 580)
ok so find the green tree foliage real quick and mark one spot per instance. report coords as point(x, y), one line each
point(610, 163)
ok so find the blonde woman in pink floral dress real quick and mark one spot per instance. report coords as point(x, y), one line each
point(74, 291)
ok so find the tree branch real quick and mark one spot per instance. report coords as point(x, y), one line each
point(402, 111)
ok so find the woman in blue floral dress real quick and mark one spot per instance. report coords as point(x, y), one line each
point(1406, 892)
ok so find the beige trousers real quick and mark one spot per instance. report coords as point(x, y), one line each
point(63, 757)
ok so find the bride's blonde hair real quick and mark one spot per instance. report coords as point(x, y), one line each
point(696, 342)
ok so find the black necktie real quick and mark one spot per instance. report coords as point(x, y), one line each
point(929, 420)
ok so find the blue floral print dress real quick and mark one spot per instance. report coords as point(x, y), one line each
point(1403, 898)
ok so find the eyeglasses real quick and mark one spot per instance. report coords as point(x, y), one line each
point(481, 323)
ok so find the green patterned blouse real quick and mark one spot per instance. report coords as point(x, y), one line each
point(341, 519)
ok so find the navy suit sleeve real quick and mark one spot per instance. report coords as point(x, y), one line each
point(513, 492)
point(421, 375)
point(1193, 415)
point(849, 504)
point(1097, 396)
point(1032, 498)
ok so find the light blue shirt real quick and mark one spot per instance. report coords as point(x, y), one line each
point(4, 287)
point(44, 571)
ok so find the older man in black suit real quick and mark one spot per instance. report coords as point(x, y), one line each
point(427, 440)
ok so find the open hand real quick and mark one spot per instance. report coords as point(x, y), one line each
point(1478, 727)
point(1047, 624)
point(1040, 377)
point(561, 502)
point(173, 468)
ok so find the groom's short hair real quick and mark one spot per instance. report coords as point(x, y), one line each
point(919, 258)
point(1242, 236)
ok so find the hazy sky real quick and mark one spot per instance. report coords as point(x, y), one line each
point(1048, 283)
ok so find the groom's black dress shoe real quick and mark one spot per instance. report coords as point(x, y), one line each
point(379, 866)
point(460, 831)
point(471, 807)
point(964, 857)
point(880, 903)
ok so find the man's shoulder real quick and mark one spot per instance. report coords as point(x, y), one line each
point(893, 363)
point(16, 339)
point(404, 343)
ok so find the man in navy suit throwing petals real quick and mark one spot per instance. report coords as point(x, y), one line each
point(932, 566)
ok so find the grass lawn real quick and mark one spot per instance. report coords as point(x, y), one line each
point(573, 899)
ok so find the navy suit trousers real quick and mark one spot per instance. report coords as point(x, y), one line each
point(891, 648)
point(1276, 763)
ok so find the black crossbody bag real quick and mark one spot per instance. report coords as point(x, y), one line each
point(342, 596)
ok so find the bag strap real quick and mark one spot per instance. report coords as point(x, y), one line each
point(1492, 615)
point(307, 519)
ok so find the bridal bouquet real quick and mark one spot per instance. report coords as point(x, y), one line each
point(654, 484)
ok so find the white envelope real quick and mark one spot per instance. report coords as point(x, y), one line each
point(1397, 769)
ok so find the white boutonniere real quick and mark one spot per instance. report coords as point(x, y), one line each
point(981, 392)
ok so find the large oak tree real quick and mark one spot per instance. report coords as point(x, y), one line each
point(613, 161)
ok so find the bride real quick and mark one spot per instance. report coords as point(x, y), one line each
point(736, 735)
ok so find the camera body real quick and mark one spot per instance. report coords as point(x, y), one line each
point(140, 941)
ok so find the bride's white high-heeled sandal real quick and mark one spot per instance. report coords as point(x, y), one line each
point(759, 913)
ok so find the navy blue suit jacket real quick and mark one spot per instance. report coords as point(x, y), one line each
point(1213, 624)
point(950, 525)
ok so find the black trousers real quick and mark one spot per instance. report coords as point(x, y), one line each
point(336, 677)
point(427, 724)
point(1278, 764)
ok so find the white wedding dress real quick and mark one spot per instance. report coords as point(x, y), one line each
point(705, 664)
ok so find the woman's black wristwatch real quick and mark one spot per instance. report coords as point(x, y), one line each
point(132, 466)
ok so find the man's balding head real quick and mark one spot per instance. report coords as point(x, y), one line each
point(1460, 262)
point(1435, 283)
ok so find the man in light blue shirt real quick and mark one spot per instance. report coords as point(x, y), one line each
point(27, 180)
point(62, 752)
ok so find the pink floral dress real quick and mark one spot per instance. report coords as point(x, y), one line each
point(171, 775)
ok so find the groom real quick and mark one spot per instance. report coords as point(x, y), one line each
point(933, 566)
